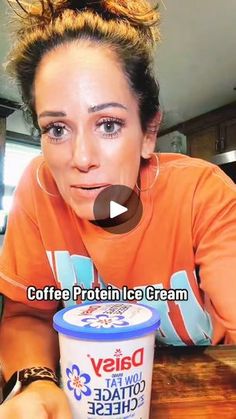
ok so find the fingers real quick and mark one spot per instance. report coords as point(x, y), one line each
point(64, 411)
point(63, 415)
point(4, 411)
point(41, 401)
point(17, 410)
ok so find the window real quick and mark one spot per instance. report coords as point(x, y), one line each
point(17, 157)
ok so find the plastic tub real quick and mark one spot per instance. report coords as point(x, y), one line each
point(106, 352)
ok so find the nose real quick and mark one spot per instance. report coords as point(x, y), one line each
point(84, 153)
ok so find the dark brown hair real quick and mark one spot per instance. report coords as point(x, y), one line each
point(129, 28)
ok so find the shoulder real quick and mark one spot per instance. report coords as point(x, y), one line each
point(31, 191)
point(193, 171)
point(180, 162)
point(30, 173)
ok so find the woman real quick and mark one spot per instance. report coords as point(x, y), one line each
point(84, 69)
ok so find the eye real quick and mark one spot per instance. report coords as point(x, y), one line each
point(55, 131)
point(58, 131)
point(110, 127)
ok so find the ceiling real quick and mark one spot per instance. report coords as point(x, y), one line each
point(195, 62)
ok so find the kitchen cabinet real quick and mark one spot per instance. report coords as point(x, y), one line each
point(228, 135)
point(211, 133)
point(202, 144)
point(217, 139)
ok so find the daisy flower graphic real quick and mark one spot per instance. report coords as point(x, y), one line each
point(106, 321)
point(77, 382)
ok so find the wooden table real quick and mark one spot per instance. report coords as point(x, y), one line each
point(194, 382)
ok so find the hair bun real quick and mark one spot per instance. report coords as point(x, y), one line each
point(96, 5)
point(138, 13)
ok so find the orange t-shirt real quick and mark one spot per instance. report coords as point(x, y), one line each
point(186, 240)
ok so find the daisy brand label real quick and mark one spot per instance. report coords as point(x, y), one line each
point(106, 359)
point(118, 395)
point(117, 363)
point(121, 394)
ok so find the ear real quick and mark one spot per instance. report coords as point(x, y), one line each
point(149, 140)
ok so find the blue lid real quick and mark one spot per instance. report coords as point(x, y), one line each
point(106, 321)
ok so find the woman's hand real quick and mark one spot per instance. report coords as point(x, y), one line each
point(41, 400)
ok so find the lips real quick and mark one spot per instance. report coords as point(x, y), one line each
point(90, 186)
point(87, 191)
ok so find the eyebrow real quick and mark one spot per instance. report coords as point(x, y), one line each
point(97, 108)
point(91, 109)
point(51, 113)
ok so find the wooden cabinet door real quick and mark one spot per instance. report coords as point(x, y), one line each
point(228, 135)
point(202, 144)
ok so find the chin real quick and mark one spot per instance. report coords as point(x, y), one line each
point(85, 212)
point(84, 215)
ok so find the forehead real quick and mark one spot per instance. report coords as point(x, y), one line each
point(81, 71)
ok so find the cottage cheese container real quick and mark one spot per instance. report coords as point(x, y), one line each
point(106, 354)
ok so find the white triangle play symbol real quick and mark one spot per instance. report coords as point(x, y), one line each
point(116, 209)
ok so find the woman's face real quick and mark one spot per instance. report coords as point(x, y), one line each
point(89, 119)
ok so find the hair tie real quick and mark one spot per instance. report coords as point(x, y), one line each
point(96, 5)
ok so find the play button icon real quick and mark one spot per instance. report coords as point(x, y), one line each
point(117, 209)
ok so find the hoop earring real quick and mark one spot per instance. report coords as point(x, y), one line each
point(40, 183)
point(156, 175)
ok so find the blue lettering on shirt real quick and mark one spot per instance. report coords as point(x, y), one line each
point(75, 269)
